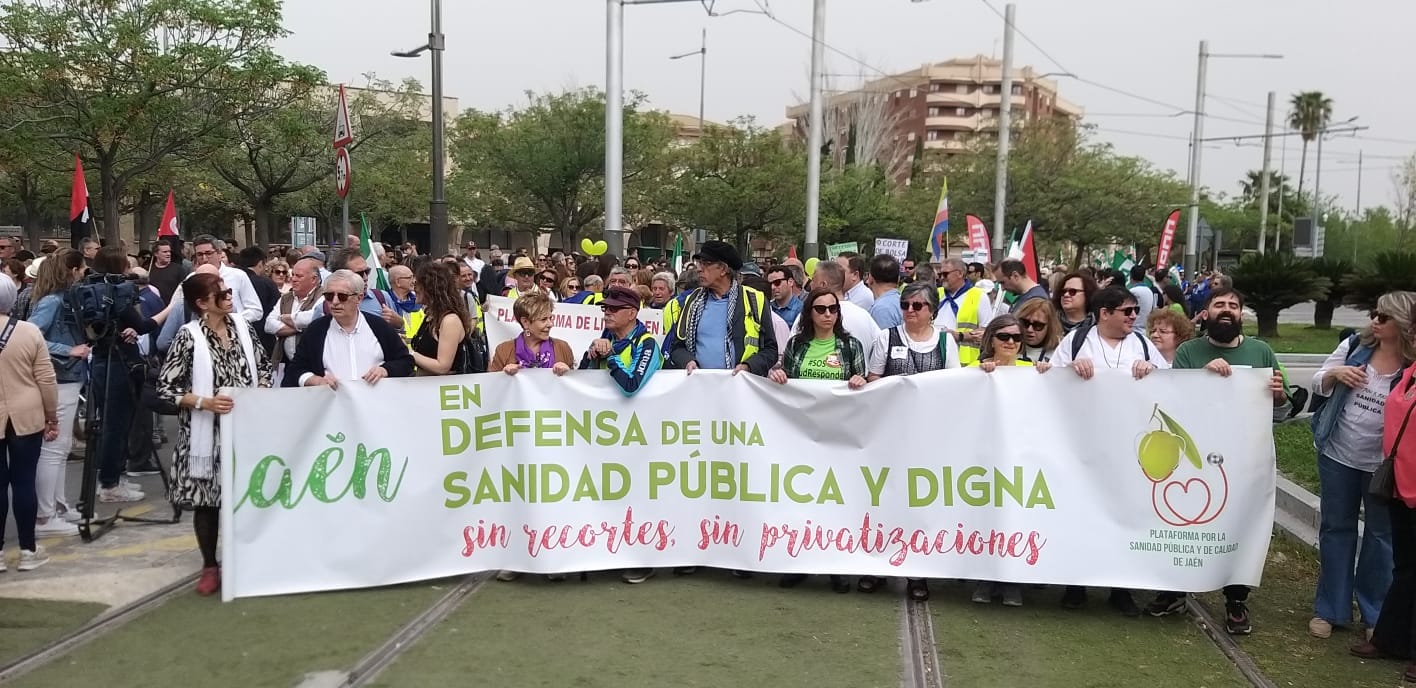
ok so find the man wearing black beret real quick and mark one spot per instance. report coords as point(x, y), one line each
point(721, 324)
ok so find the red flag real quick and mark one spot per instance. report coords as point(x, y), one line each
point(1023, 250)
point(79, 228)
point(168, 228)
point(1167, 240)
point(978, 236)
point(791, 252)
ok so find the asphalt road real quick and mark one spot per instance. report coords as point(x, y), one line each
point(1342, 317)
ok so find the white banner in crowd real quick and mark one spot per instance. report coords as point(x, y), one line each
point(1019, 477)
point(898, 248)
point(578, 325)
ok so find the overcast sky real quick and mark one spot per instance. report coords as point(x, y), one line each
point(1357, 52)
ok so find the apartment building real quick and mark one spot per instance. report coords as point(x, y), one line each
point(938, 106)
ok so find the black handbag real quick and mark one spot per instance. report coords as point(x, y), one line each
point(1383, 482)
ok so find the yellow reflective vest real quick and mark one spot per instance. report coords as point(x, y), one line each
point(967, 321)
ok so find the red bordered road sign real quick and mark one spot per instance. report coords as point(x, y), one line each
point(343, 129)
point(343, 172)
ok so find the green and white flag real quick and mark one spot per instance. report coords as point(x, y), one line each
point(1122, 262)
point(366, 248)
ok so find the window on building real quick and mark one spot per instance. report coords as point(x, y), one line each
point(936, 87)
point(992, 89)
point(933, 135)
point(914, 92)
point(1017, 89)
point(961, 112)
point(934, 111)
point(961, 88)
point(911, 139)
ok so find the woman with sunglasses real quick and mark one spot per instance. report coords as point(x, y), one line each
point(916, 346)
point(1002, 346)
point(821, 349)
point(1355, 381)
point(213, 351)
point(546, 282)
point(1042, 330)
point(279, 272)
point(569, 287)
point(1073, 300)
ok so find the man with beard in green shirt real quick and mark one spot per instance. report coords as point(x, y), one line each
point(1223, 347)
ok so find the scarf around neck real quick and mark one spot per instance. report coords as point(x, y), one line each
point(695, 316)
point(543, 357)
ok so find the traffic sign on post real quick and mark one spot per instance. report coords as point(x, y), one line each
point(343, 170)
point(343, 129)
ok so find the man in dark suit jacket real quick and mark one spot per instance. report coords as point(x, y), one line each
point(367, 348)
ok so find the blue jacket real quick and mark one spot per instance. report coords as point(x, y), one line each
point(1325, 418)
point(61, 333)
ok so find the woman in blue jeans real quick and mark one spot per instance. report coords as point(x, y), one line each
point(28, 417)
point(1347, 431)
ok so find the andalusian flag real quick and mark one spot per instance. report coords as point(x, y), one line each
point(366, 247)
point(678, 253)
point(1122, 262)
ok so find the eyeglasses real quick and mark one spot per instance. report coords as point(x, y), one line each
point(1128, 311)
point(1162, 330)
point(778, 282)
point(279, 272)
point(1380, 317)
point(613, 309)
point(832, 309)
point(1034, 325)
point(547, 278)
point(223, 295)
point(363, 273)
point(332, 296)
point(572, 285)
point(908, 306)
point(1069, 293)
point(1008, 336)
point(525, 273)
point(204, 254)
point(631, 266)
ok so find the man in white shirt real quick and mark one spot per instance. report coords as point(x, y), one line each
point(348, 345)
point(857, 321)
point(855, 289)
point(1112, 343)
point(469, 256)
point(295, 311)
point(1145, 297)
point(244, 301)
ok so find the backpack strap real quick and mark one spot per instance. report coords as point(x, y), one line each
point(5, 334)
point(944, 348)
point(1079, 338)
point(1145, 345)
point(895, 338)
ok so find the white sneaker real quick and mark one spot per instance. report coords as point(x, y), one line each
point(122, 492)
point(56, 527)
point(31, 560)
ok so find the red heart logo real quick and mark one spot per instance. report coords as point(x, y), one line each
point(1187, 500)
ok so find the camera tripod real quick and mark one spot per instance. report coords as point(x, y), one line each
point(91, 528)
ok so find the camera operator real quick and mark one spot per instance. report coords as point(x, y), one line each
point(117, 370)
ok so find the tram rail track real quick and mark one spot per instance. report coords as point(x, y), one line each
point(918, 648)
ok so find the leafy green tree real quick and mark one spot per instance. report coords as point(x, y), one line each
point(1336, 271)
point(858, 203)
point(130, 84)
point(542, 166)
point(1390, 271)
point(1274, 281)
point(1310, 112)
point(738, 181)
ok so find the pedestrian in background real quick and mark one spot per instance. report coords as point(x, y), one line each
point(29, 415)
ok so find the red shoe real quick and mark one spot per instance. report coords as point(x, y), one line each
point(210, 582)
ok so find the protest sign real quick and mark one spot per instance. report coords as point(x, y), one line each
point(1116, 482)
point(833, 250)
point(577, 324)
point(898, 248)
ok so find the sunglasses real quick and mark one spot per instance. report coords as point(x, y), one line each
point(1033, 325)
point(279, 272)
point(1380, 317)
point(332, 296)
point(832, 309)
point(223, 295)
point(1071, 292)
point(1008, 337)
point(525, 273)
point(908, 306)
point(363, 273)
point(631, 266)
point(572, 285)
point(613, 309)
point(778, 282)
point(1129, 311)
point(547, 278)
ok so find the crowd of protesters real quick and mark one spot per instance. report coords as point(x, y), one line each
point(206, 316)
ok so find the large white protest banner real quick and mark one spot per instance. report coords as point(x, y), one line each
point(577, 324)
point(1039, 478)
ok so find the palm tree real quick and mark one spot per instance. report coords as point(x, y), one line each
point(1311, 112)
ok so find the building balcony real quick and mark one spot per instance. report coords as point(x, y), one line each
point(947, 145)
point(966, 123)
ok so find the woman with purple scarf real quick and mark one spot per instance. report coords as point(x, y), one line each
point(534, 347)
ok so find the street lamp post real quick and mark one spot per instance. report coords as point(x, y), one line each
point(1318, 175)
point(702, 53)
point(437, 205)
point(1192, 233)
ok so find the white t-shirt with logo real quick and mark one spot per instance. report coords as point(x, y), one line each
point(1104, 355)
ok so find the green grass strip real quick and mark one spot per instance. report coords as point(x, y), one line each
point(1042, 645)
point(1297, 459)
point(267, 641)
point(1280, 644)
point(1297, 338)
point(27, 625)
point(700, 630)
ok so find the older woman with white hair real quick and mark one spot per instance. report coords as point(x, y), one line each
point(1347, 431)
point(348, 345)
point(661, 286)
point(29, 415)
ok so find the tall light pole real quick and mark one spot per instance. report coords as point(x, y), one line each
point(1192, 234)
point(1005, 130)
point(437, 205)
point(811, 249)
point(1264, 174)
point(1318, 175)
point(702, 53)
point(615, 233)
